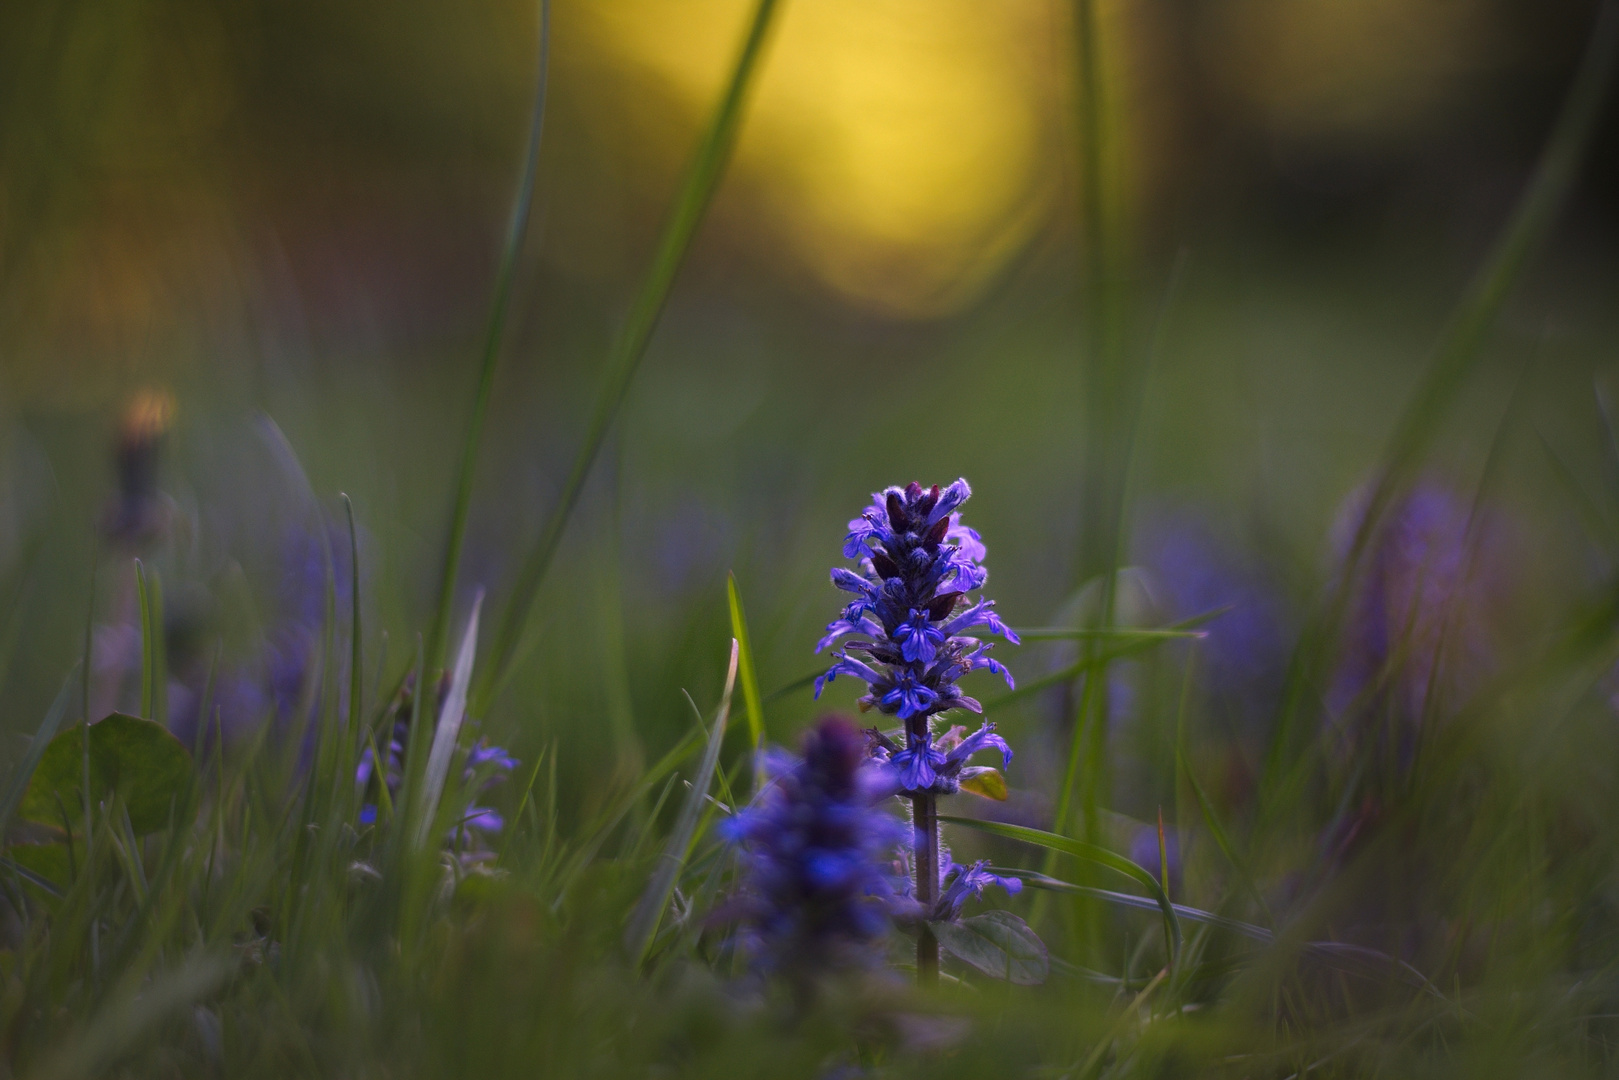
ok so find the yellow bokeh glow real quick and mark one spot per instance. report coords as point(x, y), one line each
point(899, 145)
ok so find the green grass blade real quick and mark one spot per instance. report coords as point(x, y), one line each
point(630, 343)
point(516, 230)
point(1064, 633)
point(18, 781)
point(1079, 849)
point(1222, 840)
point(44, 884)
point(745, 672)
point(643, 924)
point(1339, 953)
point(1100, 659)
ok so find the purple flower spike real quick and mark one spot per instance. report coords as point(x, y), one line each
point(915, 621)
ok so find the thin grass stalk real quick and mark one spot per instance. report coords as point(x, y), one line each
point(516, 230)
point(1106, 377)
point(630, 343)
point(1455, 358)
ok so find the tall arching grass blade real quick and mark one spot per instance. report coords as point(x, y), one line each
point(648, 912)
point(516, 229)
point(629, 345)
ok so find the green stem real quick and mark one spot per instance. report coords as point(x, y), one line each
point(631, 341)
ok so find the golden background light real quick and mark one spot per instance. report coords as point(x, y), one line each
point(901, 146)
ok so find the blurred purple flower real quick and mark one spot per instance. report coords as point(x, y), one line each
point(818, 884)
point(1245, 654)
point(1420, 625)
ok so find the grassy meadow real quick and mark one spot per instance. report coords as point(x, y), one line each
point(425, 434)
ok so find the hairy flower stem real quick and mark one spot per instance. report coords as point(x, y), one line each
point(925, 822)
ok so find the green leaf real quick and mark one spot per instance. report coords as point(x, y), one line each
point(16, 784)
point(136, 758)
point(999, 944)
point(985, 781)
point(1079, 849)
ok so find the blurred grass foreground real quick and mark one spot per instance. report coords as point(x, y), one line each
point(425, 432)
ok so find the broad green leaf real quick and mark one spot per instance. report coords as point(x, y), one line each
point(997, 943)
point(137, 758)
point(985, 781)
